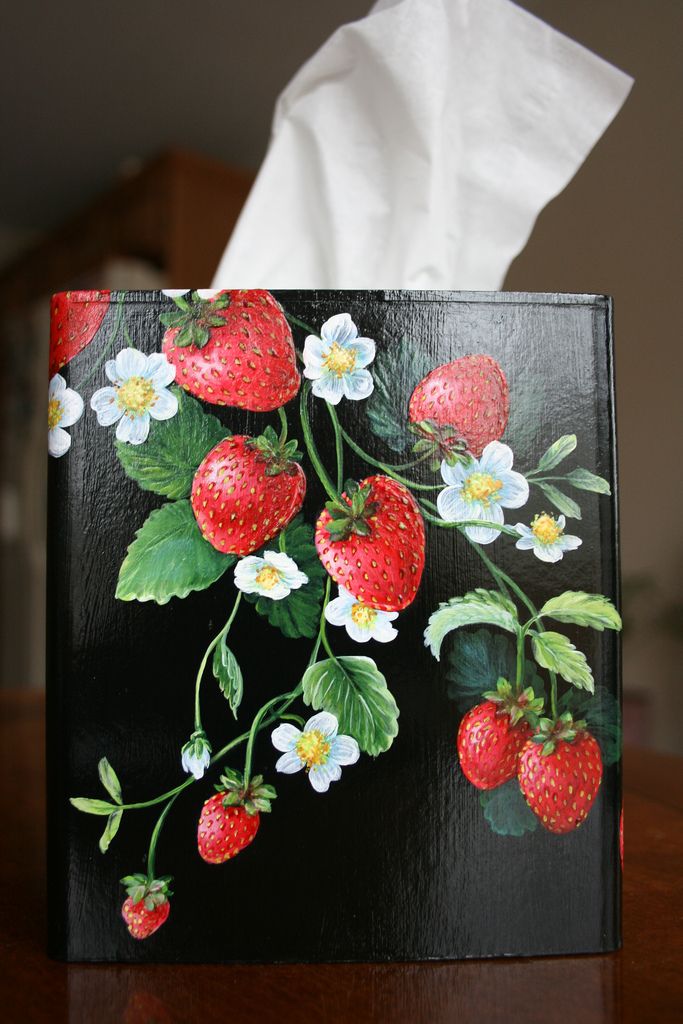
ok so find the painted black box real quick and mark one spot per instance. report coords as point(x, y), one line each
point(332, 587)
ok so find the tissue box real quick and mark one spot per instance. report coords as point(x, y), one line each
point(333, 658)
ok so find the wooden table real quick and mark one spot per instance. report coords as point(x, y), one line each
point(644, 982)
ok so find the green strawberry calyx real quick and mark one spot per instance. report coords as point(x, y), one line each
point(254, 797)
point(443, 442)
point(195, 318)
point(562, 729)
point(351, 515)
point(521, 705)
point(153, 892)
point(279, 454)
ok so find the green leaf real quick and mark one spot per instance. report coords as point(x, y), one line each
point(298, 614)
point(110, 830)
point(478, 607)
point(88, 806)
point(566, 505)
point(169, 558)
point(587, 481)
point(506, 810)
point(168, 460)
point(355, 691)
point(557, 653)
point(602, 715)
point(109, 780)
point(229, 675)
point(477, 660)
point(582, 609)
point(558, 451)
point(396, 371)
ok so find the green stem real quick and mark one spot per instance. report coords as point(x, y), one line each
point(255, 725)
point(313, 455)
point(155, 838)
point(520, 661)
point(389, 470)
point(105, 351)
point(464, 524)
point(301, 323)
point(338, 444)
point(216, 640)
point(283, 424)
point(553, 695)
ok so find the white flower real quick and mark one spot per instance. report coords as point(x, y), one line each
point(273, 576)
point(317, 748)
point(481, 490)
point(336, 361)
point(139, 392)
point(546, 537)
point(64, 408)
point(196, 755)
point(203, 293)
point(362, 622)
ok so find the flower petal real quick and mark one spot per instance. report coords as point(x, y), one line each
point(570, 543)
point(456, 475)
point(315, 350)
point(321, 775)
point(134, 430)
point(339, 609)
point(365, 351)
point(515, 490)
point(339, 328)
point(548, 552)
point(324, 722)
point(165, 405)
point(57, 386)
point(383, 632)
point(275, 593)
point(361, 634)
point(58, 442)
point(159, 371)
point(344, 750)
point(285, 737)
point(481, 534)
point(330, 387)
point(130, 363)
point(452, 507)
point(104, 404)
point(111, 371)
point(280, 561)
point(72, 407)
point(358, 385)
point(526, 543)
point(289, 763)
point(496, 459)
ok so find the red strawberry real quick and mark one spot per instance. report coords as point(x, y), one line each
point(492, 734)
point(246, 491)
point(75, 318)
point(147, 906)
point(560, 771)
point(372, 542)
point(463, 401)
point(234, 349)
point(230, 819)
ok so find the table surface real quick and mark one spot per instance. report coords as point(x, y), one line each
point(643, 982)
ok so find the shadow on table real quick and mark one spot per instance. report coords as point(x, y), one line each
point(579, 988)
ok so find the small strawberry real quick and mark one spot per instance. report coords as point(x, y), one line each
point(147, 906)
point(463, 404)
point(492, 734)
point(560, 771)
point(233, 349)
point(230, 819)
point(372, 542)
point(75, 319)
point(246, 491)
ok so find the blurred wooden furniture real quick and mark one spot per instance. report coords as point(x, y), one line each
point(175, 213)
point(642, 983)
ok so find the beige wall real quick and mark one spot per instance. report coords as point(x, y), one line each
point(617, 229)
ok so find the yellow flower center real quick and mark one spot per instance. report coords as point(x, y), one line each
point(362, 615)
point(481, 487)
point(54, 413)
point(268, 577)
point(340, 360)
point(135, 396)
point(313, 748)
point(545, 527)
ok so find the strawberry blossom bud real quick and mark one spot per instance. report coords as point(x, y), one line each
point(196, 754)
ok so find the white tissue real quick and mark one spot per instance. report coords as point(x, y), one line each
point(416, 148)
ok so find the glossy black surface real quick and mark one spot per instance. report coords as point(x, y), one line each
point(395, 862)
